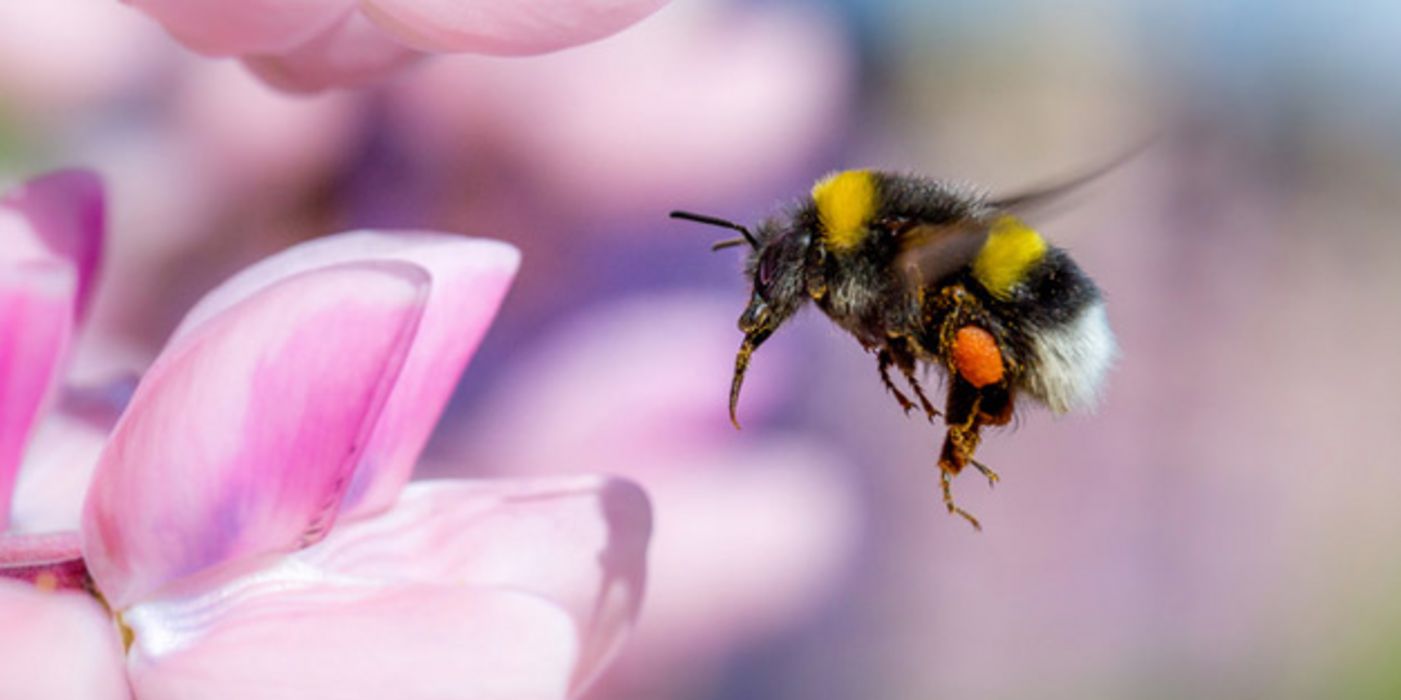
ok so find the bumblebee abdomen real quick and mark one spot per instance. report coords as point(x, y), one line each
point(1063, 332)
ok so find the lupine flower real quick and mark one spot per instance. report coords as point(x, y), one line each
point(248, 529)
point(310, 45)
point(50, 247)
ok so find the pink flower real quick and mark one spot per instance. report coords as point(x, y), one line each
point(314, 44)
point(248, 525)
point(50, 245)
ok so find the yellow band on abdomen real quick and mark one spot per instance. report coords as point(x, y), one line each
point(1011, 250)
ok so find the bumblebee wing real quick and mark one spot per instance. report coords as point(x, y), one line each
point(930, 252)
point(1038, 200)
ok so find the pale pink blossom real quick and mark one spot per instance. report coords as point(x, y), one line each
point(59, 644)
point(248, 527)
point(314, 44)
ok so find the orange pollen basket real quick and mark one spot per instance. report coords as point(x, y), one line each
point(976, 357)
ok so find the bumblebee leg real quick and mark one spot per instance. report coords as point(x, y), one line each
point(979, 394)
point(961, 411)
point(883, 363)
point(899, 352)
point(961, 414)
point(966, 412)
point(994, 407)
point(924, 402)
point(945, 478)
point(991, 475)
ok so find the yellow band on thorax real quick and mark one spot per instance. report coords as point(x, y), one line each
point(846, 202)
point(1011, 250)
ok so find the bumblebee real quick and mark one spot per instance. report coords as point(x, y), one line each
point(927, 273)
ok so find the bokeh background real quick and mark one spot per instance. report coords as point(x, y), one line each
point(1227, 525)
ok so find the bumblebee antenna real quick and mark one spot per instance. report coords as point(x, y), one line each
point(722, 223)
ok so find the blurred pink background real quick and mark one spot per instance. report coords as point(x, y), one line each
point(1224, 526)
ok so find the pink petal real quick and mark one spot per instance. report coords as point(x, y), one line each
point(56, 215)
point(343, 640)
point(491, 26)
point(58, 645)
point(54, 559)
point(351, 53)
point(580, 541)
point(36, 321)
point(470, 276)
point(222, 28)
point(63, 451)
point(56, 471)
point(242, 437)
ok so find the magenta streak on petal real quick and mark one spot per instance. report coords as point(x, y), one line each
point(65, 210)
point(36, 321)
point(469, 278)
point(51, 559)
point(452, 330)
point(267, 412)
point(241, 440)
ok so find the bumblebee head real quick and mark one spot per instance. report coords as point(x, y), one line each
point(776, 272)
point(775, 268)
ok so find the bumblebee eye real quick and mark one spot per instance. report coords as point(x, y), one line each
point(766, 270)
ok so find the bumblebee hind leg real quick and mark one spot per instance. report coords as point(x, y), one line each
point(945, 479)
point(986, 471)
point(967, 410)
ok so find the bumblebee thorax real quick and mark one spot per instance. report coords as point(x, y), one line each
point(846, 202)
